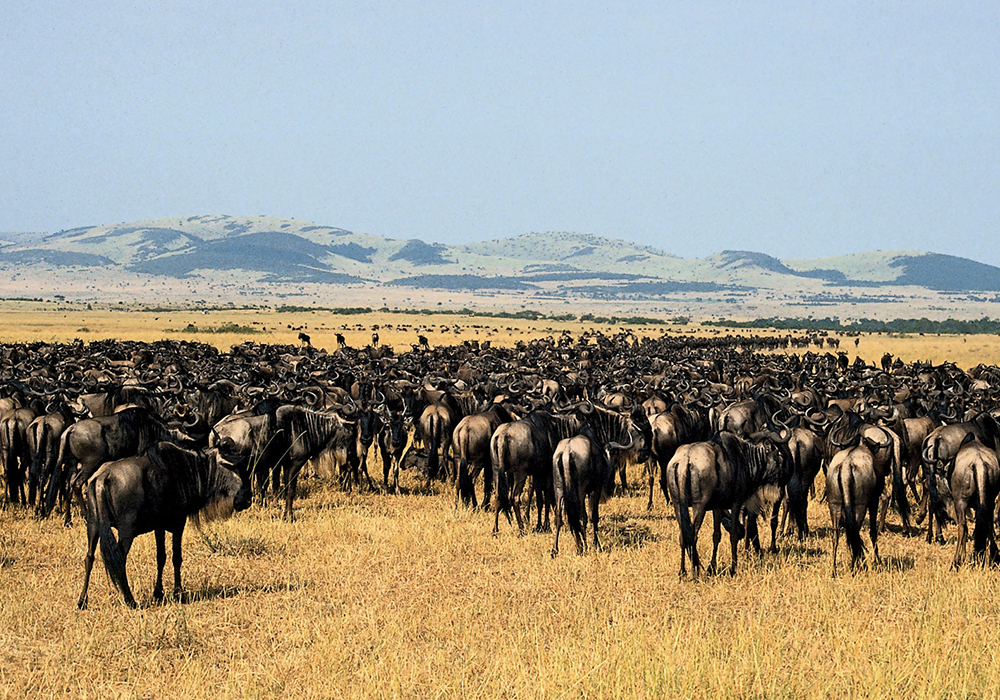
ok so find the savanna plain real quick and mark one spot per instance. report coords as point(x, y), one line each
point(374, 595)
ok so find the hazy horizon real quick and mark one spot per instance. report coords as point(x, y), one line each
point(800, 130)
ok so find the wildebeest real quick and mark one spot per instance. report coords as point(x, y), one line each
point(679, 426)
point(391, 443)
point(581, 470)
point(471, 441)
point(310, 433)
point(722, 474)
point(853, 488)
point(973, 481)
point(521, 449)
point(86, 445)
point(154, 492)
point(940, 447)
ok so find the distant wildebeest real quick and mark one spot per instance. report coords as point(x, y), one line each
point(305, 339)
point(155, 492)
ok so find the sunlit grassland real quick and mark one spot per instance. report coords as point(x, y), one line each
point(370, 595)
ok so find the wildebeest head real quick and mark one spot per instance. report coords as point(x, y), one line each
point(232, 475)
point(642, 433)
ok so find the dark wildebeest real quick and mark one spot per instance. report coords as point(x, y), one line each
point(86, 445)
point(582, 470)
point(15, 451)
point(391, 443)
point(974, 482)
point(722, 474)
point(310, 433)
point(44, 435)
point(369, 427)
point(807, 451)
point(155, 492)
point(680, 425)
point(471, 441)
point(305, 339)
point(940, 447)
point(853, 488)
point(256, 435)
point(524, 448)
point(436, 427)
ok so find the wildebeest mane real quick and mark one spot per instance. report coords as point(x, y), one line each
point(748, 462)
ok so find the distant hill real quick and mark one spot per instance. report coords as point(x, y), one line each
point(278, 251)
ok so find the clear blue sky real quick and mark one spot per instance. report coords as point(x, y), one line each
point(793, 128)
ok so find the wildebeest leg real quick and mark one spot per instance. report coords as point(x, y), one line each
point(515, 500)
point(161, 560)
point(716, 538)
point(487, 484)
point(883, 507)
point(753, 534)
point(291, 479)
point(684, 548)
point(698, 517)
point(873, 530)
point(581, 537)
point(176, 559)
point(774, 526)
point(622, 467)
point(650, 478)
point(734, 536)
point(963, 532)
point(835, 533)
point(125, 543)
point(88, 561)
point(558, 514)
point(595, 502)
point(922, 507)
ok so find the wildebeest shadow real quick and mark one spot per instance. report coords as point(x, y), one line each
point(215, 591)
point(894, 563)
point(618, 532)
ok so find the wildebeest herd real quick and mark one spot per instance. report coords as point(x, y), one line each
point(141, 437)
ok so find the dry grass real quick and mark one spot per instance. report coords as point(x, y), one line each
point(370, 595)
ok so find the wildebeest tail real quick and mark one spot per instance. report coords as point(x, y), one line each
point(39, 430)
point(852, 527)
point(570, 475)
point(464, 482)
point(499, 452)
point(434, 442)
point(984, 511)
point(60, 473)
point(682, 508)
point(929, 460)
point(111, 552)
point(898, 486)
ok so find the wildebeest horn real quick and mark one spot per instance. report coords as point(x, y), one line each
point(620, 446)
point(875, 444)
point(817, 417)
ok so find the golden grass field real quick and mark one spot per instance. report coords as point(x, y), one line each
point(372, 595)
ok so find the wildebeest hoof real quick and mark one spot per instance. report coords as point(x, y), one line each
point(82, 604)
point(554, 553)
point(157, 594)
point(940, 540)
